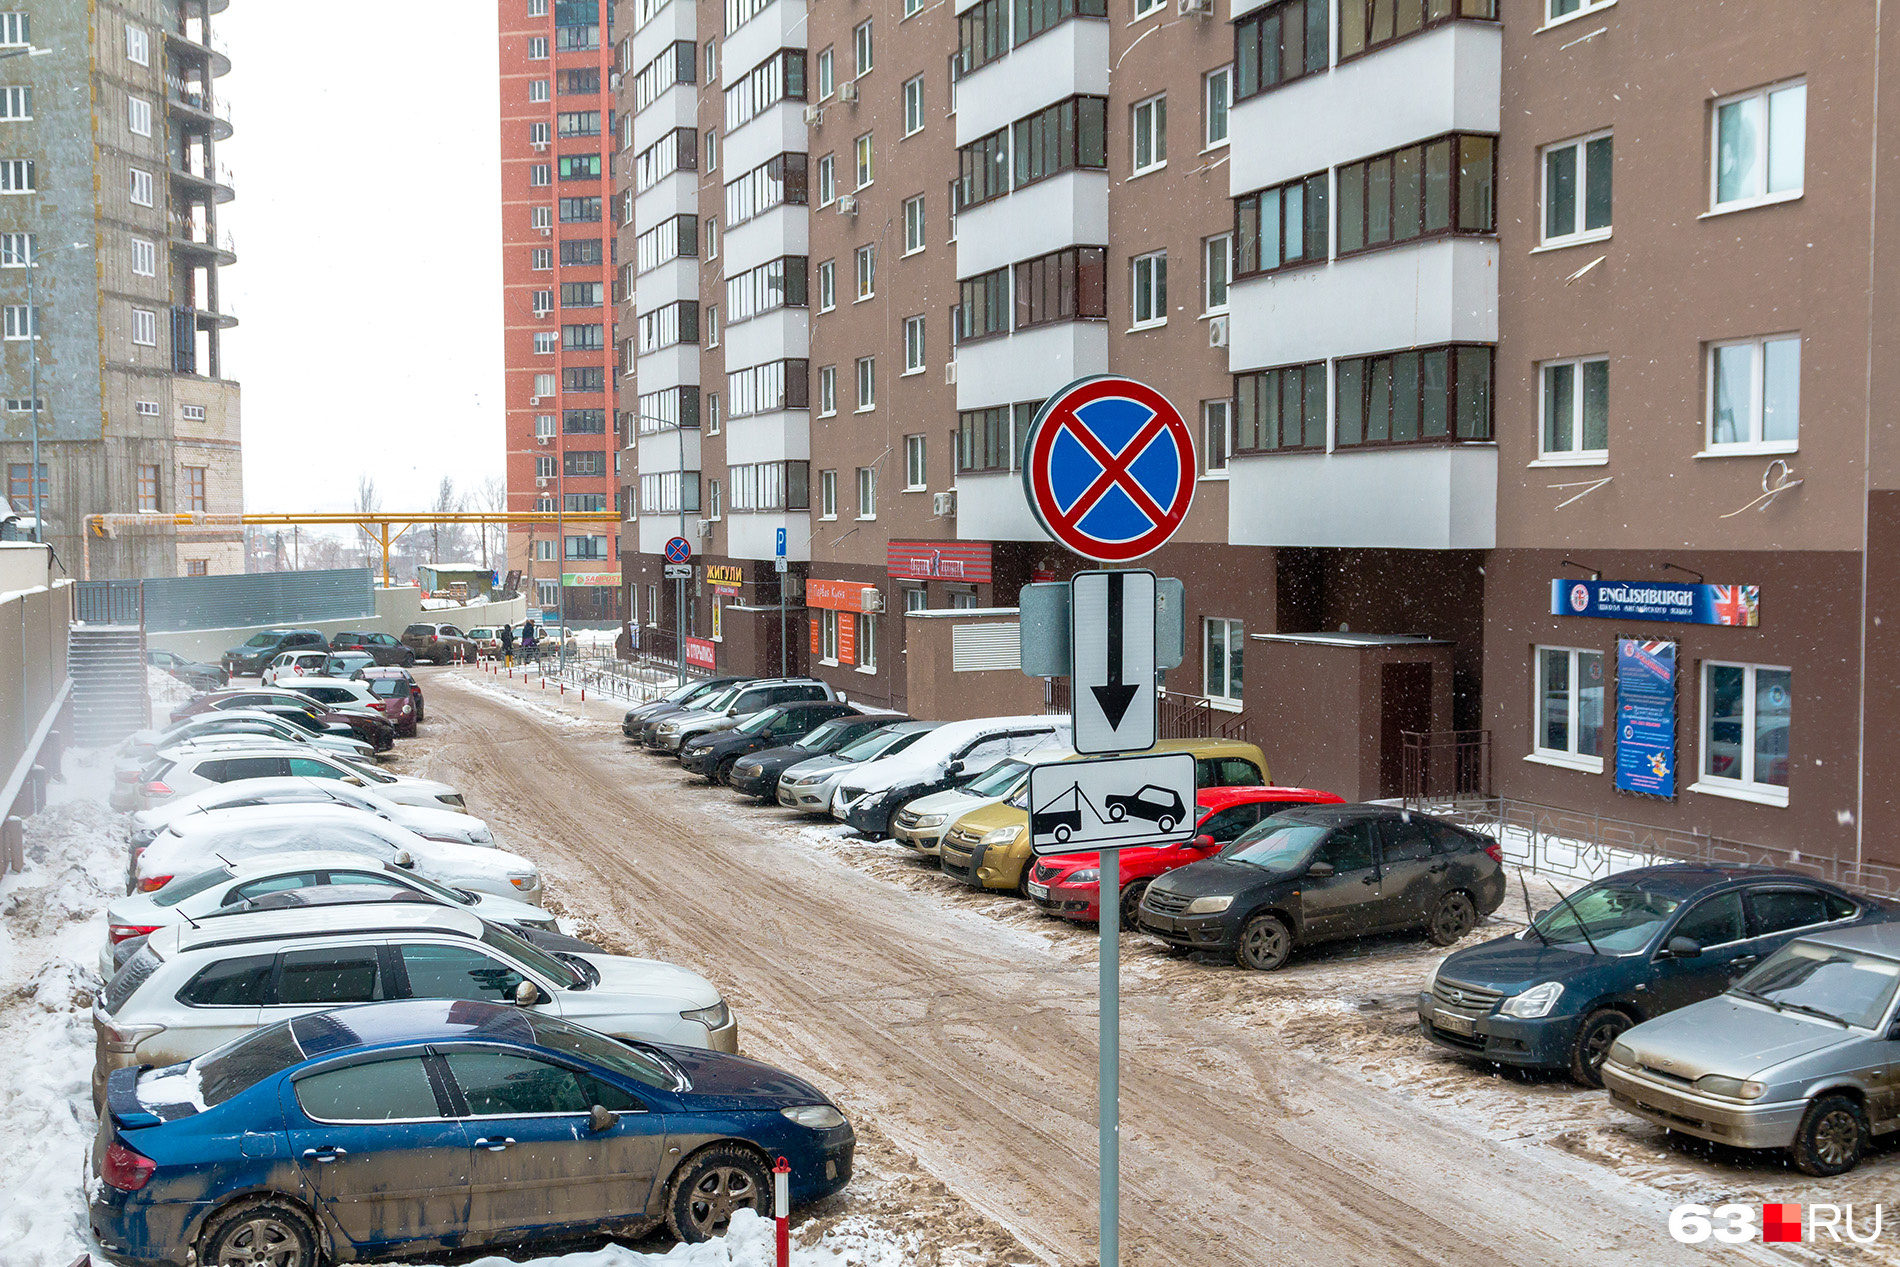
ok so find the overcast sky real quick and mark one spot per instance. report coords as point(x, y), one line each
point(367, 226)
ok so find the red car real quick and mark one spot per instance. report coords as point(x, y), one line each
point(1068, 885)
point(398, 697)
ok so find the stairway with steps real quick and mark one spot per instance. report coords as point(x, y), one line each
point(107, 665)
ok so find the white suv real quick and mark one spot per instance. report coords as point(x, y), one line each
point(190, 768)
point(193, 988)
point(437, 823)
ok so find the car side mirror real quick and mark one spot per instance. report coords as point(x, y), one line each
point(1203, 841)
point(954, 769)
point(527, 994)
point(600, 1119)
point(1684, 948)
point(1893, 1030)
point(404, 860)
point(1320, 870)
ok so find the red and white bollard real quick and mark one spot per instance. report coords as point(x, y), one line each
point(782, 1209)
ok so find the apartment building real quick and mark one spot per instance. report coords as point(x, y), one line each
point(557, 272)
point(110, 202)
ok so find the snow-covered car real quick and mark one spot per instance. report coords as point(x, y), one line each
point(437, 822)
point(343, 692)
point(190, 769)
point(197, 675)
point(141, 745)
point(197, 895)
point(131, 775)
point(808, 785)
point(952, 754)
point(196, 841)
point(190, 989)
point(291, 667)
point(922, 823)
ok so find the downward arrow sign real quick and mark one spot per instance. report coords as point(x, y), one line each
point(1115, 697)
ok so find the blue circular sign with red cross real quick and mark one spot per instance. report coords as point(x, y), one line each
point(1109, 468)
point(678, 550)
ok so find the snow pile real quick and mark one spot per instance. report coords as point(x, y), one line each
point(751, 1242)
point(52, 918)
point(165, 691)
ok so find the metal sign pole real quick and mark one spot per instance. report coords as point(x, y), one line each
point(1109, 1078)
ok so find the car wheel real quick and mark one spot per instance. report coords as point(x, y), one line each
point(1452, 918)
point(1131, 903)
point(264, 1231)
point(713, 1186)
point(408, 659)
point(1265, 943)
point(1022, 881)
point(724, 773)
point(1831, 1136)
point(1599, 1030)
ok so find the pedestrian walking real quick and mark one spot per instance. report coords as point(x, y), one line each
point(508, 645)
point(529, 641)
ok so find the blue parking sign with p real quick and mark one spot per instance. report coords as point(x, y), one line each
point(779, 550)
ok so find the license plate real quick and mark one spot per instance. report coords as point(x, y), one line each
point(1038, 890)
point(1452, 1023)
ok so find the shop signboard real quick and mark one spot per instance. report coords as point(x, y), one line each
point(1646, 717)
point(609, 580)
point(1684, 604)
point(699, 653)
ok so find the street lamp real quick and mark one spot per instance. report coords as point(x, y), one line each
point(33, 346)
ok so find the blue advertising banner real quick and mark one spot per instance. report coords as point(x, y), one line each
point(1657, 600)
point(1646, 717)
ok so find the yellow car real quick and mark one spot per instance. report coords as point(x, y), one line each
point(989, 848)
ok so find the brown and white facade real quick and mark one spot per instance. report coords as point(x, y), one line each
point(1372, 249)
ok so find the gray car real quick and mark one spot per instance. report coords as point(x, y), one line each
point(725, 711)
point(808, 785)
point(1800, 1054)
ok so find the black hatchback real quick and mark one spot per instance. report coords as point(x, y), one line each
point(715, 753)
point(1628, 947)
point(1327, 873)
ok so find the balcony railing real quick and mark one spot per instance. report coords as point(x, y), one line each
point(1444, 764)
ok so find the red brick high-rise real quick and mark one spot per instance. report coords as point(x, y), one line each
point(557, 269)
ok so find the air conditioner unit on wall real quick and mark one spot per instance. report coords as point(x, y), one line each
point(542, 481)
point(871, 599)
point(847, 204)
point(814, 114)
point(950, 373)
point(705, 527)
point(847, 91)
point(547, 231)
point(943, 504)
point(1201, 8)
point(534, 400)
point(540, 147)
point(1217, 332)
point(544, 439)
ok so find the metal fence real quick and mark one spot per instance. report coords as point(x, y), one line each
point(224, 602)
point(1445, 763)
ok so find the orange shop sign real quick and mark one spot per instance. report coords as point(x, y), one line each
point(843, 596)
point(724, 574)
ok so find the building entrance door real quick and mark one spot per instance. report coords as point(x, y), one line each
point(1405, 704)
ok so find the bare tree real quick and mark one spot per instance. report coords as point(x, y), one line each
point(493, 497)
point(447, 502)
point(368, 502)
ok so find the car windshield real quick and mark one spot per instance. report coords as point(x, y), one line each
point(601, 1050)
point(435, 890)
point(1277, 844)
point(1618, 918)
point(878, 743)
point(997, 780)
point(820, 739)
point(238, 1066)
point(522, 952)
point(1836, 984)
point(684, 691)
point(759, 721)
point(420, 629)
point(264, 640)
point(190, 886)
point(715, 702)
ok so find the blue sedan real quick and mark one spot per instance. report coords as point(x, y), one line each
point(395, 1128)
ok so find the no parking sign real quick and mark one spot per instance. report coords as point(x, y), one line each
point(1109, 468)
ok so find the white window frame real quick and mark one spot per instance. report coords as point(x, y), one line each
point(17, 321)
point(1764, 196)
point(1228, 625)
point(827, 285)
point(1576, 455)
point(864, 272)
point(914, 362)
point(867, 493)
point(915, 234)
point(1148, 121)
point(866, 642)
point(1158, 314)
point(913, 105)
point(712, 61)
point(537, 48)
point(709, 323)
point(541, 217)
point(138, 115)
point(711, 237)
point(1744, 789)
point(827, 391)
point(16, 250)
point(1217, 419)
point(538, 134)
point(863, 49)
point(16, 29)
point(544, 385)
point(547, 343)
point(1584, 9)
point(1223, 77)
point(138, 45)
point(1220, 246)
point(711, 149)
point(1754, 444)
point(16, 104)
point(913, 7)
point(828, 636)
point(827, 180)
point(538, 90)
point(827, 73)
point(713, 408)
point(144, 328)
point(1569, 758)
point(865, 161)
point(1144, 7)
point(867, 385)
point(537, 8)
point(827, 494)
point(144, 257)
point(540, 175)
point(715, 500)
point(139, 192)
point(18, 176)
point(916, 464)
point(541, 259)
point(1578, 233)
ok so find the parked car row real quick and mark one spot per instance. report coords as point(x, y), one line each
point(339, 1025)
point(265, 651)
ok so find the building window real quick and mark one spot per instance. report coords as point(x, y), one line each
point(1754, 393)
point(544, 385)
point(541, 258)
point(867, 383)
point(1217, 87)
point(537, 8)
point(914, 345)
point(1577, 182)
point(18, 176)
point(16, 249)
point(710, 320)
point(195, 488)
point(1281, 43)
point(712, 237)
point(866, 265)
point(16, 30)
point(1745, 716)
point(1365, 25)
point(867, 492)
point(1145, 7)
point(1557, 10)
point(1064, 285)
point(16, 104)
point(538, 135)
point(1217, 422)
point(827, 180)
point(827, 285)
point(867, 642)
point(197, 567)
point(1576, 408)
point(1422, 396)
point(544, 426)
point(148, 487)
point(916, 475)
point(1281, 227)
point(537, 90)
point(712, 412)
point(138, 43)
point(865, 172)
point(1760, 146)
point(17, 323)
point(913, 106)
point(138, 116)
point(141, 188)
point(537, 48)
point(144, 327)
point(1217, 266)
point(827, 390)
point(916, 598)
point(546, 342)
point(990, 439)
point(541, 217)
point(828, 635)
point(1222, 641)
point(828, 494)
point(145, 408)
point(1150, 289)
point(827, 74)
point(715, 500)
point(914, 225)
point(540, 174)
point(861, 49)
point(20, 485)
point(1444, 185)
point(1281, 409)
point(712, 61)
point(1151, 133)
point(1570, 693)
